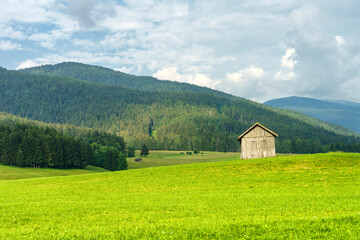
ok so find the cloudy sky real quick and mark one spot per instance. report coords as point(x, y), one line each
point(257, 49)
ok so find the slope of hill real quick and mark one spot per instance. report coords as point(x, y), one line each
point(341, 113)
point(108, 76)
point(292, 197)
point(171, 120)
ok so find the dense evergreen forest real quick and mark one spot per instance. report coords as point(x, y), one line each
point(108, 76)
point(170, 120)
point(30, 146)
point(38, 145)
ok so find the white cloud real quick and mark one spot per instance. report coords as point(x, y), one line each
point(304, 15)
point(201, 80)
point(29, 11)
point(8, 46)
point(280, 75)
point(171, 73)
point(27, 64)
point(287, 63)
point(340, 40)
point(288, 59)
point(247, 74)
point(11, 33)
point(48, 40)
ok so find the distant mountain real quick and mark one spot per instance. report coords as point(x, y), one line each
point(108, 76)
point(184, 120)
point(342, 113)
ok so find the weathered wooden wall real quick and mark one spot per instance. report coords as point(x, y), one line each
point(258, 143)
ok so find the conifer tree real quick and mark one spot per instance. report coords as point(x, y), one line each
point(122, 162)
point(108, 160)
point(144, 151)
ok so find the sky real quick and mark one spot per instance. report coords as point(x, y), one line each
point(256, 49)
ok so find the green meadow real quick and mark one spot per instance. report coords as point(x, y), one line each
point(167, 158)
point(286, 197)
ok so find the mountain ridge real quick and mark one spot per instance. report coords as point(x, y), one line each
point(342, 113)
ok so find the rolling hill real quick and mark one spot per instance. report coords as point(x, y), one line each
point(346, 114)
point(170, 120)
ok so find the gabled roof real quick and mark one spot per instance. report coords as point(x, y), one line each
point(254, 126)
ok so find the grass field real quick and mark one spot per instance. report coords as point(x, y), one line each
point(155, 159)
point(167, 158)
point(287, 197)
point(11, 172)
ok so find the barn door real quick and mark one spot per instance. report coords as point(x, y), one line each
point(253, 149)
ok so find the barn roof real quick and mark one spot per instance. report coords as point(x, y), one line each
point(252, 127)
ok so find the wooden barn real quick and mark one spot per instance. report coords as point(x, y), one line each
point(257, 142)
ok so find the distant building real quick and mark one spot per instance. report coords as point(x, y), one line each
point(257, 142)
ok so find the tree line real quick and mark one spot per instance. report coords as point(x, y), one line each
point(27, 145)
point(306, 146)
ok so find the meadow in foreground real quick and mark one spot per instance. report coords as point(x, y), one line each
point(287, 197)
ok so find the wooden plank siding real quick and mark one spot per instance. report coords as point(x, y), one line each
point(257, 142)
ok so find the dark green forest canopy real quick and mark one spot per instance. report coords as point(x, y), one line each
point(108, 76)
point(28, 143)
point(31, 146)
point(178, 120)
point(83, 133)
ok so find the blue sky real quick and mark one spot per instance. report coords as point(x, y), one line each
point(254, 49)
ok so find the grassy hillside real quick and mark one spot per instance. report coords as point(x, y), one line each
point(341, 113)
point(12, 172)
point(292, 197)
point(171, 120)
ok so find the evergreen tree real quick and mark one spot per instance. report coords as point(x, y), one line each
point(20, 159)
point(131, 152)
point(122, 162)
point(144, 151)
point(111, 159)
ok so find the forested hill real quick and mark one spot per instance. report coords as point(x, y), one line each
point(110, 77)
point(342, 113)
point(171, 120)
